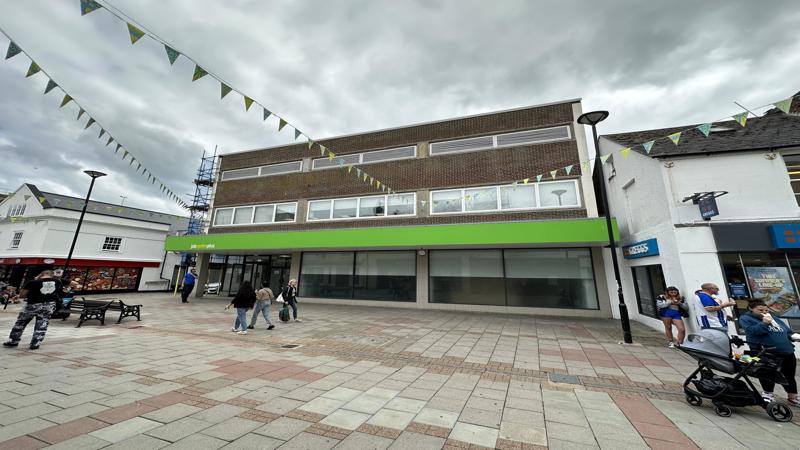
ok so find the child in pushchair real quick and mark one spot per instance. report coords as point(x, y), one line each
point(712, 350)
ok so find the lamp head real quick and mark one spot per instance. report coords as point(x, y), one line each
point(94, 173)
point(592, 117)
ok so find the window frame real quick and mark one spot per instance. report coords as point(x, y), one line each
point(253, 214)
point(789, 172)
point(16, 210)
point(258, 170)
point(499, 207)
point(360, 155)
point(494, 137)
point(119, 246)
point(385, 215)
point(14, 237)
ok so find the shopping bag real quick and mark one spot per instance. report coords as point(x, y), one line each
point(283, 314)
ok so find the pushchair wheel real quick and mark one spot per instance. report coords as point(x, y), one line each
point(722, 410)
point(780, 411)
point(693, 400)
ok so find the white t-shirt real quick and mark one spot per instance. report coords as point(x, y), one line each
point(706, 319)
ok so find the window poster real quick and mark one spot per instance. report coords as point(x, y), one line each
point(99, 278)
point(773, 285)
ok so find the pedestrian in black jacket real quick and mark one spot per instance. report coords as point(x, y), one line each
point(289, 294)
point(242, 301)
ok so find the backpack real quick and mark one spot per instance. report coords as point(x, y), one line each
point(283, 314)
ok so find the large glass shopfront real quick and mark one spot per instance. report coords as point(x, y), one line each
point(767, 276)
point(232, 270)
point(540, 278)
point(381, 275)
point(88, 279)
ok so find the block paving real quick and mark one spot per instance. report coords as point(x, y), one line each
point(359, 378)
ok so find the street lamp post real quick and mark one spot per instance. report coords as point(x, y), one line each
point(593, 118)
point(95, 175)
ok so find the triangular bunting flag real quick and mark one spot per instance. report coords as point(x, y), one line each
point(80, 113)
point(340, 162)
point(331, 155)
point(705, 129)
point(310, 143)
point(119, 146)
point(625, 152)
point(784, 105)
point(110, 140)
point(267, 113)
point(525, 181)
point(281, 124)
point(199, 72)
point(50, 86)
point(585, 165)
point(124, 155)
point(135, 33)
point(349, 168)
point(33, 69)
point(138, 167)
point(675, 137)
point(378, 185)
point(42, 200)
point(88, 6)
point(102, 132)
point(604, 158)
point(248, 102)
point(172, 54)
point(89, 123)
point(648, 146)
point(371, 180)
point(26, 197)
point(297, 133)
point(224, 89)
point(553, 173)
point(66, 100)
point(568, 169)
point(366, 175)
point(358, 172)
point(133, 160)
point(322, 150)
point(741, 118)
point(13, 50)
point(538, 178)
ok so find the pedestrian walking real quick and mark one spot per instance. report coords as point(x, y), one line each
point(671, 306)
point(709, 309)
point(242, 301)
point(289, 294)
point(264, 297)
point(764, 330)
point(188, 284)
point(41, 295)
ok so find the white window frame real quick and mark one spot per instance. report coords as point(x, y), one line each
point(118, 250)
point(259, 169)
point(14, 233)
point(499, 202)
point(253, 215)
point(16, 210)
point(385, 215)
point(494, 141)
point(361, 162)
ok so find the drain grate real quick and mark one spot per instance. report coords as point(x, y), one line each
point(291, 346)
point(562, 378)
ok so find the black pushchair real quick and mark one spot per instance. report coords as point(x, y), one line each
point(712, 350)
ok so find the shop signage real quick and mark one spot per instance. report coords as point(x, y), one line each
point(708, 207)
point(641, 249)
point(773, 285)
point(738, 289)
point(785, 235)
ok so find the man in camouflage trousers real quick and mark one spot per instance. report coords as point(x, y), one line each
point(41, 296)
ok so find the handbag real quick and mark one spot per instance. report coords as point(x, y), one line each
point(684, 309)
point(279, 298)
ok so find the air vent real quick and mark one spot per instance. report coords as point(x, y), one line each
point(462, 145)
point(533, 136)
point(279, 169)
point(239, 173)
point(390, 154)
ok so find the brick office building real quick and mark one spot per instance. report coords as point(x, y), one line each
point(456, 233)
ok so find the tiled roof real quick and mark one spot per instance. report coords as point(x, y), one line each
point(772, 131)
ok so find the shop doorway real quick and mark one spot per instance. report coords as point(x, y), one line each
point(272, 269)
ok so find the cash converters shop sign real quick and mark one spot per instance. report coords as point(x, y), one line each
point(640, 249)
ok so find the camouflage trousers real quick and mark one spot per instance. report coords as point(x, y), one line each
point(42, 313)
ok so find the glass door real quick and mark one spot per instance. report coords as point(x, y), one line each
point(236, 271)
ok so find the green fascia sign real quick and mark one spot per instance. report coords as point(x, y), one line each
point(557, 232)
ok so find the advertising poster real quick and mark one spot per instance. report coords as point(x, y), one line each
point(773, 285)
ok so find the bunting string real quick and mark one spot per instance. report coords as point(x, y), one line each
point(136, 31)
point(14, 49)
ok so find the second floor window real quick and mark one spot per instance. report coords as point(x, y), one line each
point(362, 207)
point(793, 169)
point(16, 239)
point(551, 194)
point(16, 210)
point(112, 244)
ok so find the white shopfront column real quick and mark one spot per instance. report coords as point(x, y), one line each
point(422, 278)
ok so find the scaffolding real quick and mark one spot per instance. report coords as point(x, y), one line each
point(201, 200)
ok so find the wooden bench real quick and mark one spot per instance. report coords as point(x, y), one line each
point(96, 310)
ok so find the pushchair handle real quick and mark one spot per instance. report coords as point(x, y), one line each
point(737, 341)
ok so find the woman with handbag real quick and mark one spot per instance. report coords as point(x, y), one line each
point(289, 294)
point(672, 309)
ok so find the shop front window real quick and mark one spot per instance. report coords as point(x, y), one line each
point(472, 277)
point(765, 276)
point(649, 284)
point(126, 278)
point(327, 275)
point(550, 278)
point(386, 276)
point(99, 278)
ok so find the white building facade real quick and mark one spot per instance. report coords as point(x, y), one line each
point(751, 249)
point(118, 249)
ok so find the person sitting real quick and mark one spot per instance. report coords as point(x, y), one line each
point(764, 330)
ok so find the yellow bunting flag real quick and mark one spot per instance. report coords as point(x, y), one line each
point(784, 105)
point(625, 152)
point(604, 158)
point(135, 33)
point(553, 173)
point(224, 90)
point(33, 69)
point(42, 200)
point(675, 137)
point(525, 181)
point(199, 72)
point(331, 155)
point(66, 100)
point(88, 6)
point(248, 102)
point(741, 118)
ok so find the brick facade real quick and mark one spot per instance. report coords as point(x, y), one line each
point(493, 166)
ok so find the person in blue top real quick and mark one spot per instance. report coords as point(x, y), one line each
point(764, 330)
point(188, 284)
point(709, 312)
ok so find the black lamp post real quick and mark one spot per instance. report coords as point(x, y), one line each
point(592, 119)
point(95, 175)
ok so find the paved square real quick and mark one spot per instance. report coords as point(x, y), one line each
point(361, 378)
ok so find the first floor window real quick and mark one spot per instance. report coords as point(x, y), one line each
point(649, 283)
point(371, 206)
point(563, 193)
point(446, 202)
point(243, 215)
point(16, 239)
point(112, 244)
point(285, 212)
point(223, 216)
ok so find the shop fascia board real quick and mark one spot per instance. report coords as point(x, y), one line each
point(552, 233)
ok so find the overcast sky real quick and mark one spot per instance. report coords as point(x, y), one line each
point(338, 67)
